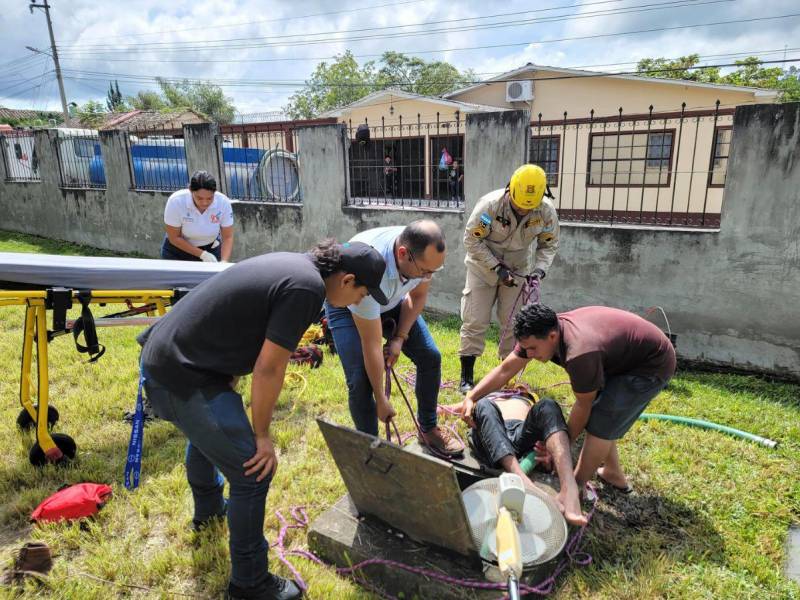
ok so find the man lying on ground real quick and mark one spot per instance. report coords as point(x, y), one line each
point(617, 363)
point(508, 425)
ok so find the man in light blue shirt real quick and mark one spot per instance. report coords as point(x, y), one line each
point(412, 255)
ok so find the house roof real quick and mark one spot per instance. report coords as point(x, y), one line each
point(142, 119)
point(369, 99)
point(758, 92)
point(18, 113)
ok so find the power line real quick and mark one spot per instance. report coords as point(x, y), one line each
point(25, 91)
point(635, 32)
point(504, 24)
point(12, 64)
point(31, 63)
point(22, 81)
point(363, 29)
point(245, 23)
point(607, 35)
point(323, 58)
point(132, 78)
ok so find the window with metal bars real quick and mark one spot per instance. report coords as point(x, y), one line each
point(544, 151)
point(719, 156)
point(630, 159)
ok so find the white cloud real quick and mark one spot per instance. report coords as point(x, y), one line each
point(80, 24)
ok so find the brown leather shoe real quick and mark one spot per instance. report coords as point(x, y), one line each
point(443, 441)
point(33, 559)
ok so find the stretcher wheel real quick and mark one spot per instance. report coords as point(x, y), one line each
point(63, 442)
point(26, 422)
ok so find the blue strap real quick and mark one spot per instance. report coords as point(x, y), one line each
point(134, 463)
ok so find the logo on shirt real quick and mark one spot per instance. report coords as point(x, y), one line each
point(215, 218)
point(535, 222)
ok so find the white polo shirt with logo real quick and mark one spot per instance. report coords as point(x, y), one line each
point(196, 228)
point(393, 285)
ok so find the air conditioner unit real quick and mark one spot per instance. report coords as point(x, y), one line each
point(519, 91)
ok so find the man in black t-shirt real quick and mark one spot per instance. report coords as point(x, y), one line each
point(246, 319)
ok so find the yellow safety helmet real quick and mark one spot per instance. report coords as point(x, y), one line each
point(527, 186)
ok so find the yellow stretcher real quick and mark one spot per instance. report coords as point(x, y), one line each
point(58, 447)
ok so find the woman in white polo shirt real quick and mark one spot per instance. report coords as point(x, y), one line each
point(199, 222)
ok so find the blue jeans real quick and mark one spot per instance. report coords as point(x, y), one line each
point(221, 439)
point(419, 347)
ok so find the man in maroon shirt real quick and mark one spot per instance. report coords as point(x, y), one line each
point(617, 363)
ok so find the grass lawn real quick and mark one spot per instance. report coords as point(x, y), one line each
point(708, 520)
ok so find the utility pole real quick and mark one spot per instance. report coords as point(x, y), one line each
point(46, 8)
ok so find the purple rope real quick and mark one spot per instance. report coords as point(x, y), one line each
point(528, 293)
point(572, 554)
point(410, 378)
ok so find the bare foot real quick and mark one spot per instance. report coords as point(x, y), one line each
point(615, 478)
point(569, 503)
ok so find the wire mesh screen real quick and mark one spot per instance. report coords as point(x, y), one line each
point(260, 163)
point(19, 156)
point(80, 160)
point(158, 159)
point(414, 165)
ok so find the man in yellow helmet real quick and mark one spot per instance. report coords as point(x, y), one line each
point(501, 230)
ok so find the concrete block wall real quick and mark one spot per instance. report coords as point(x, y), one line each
point(731, 295)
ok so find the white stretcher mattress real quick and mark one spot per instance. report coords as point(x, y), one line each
point(103, 273)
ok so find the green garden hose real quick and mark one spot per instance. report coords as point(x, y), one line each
point(528, 462)
point(712, 426)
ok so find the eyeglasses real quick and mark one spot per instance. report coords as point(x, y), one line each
point(425, 274)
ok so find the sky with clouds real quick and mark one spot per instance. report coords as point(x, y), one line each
point(261, 52)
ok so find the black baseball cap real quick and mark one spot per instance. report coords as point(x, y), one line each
point(367, 264)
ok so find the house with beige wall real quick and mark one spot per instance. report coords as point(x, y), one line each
point(620, 147)
point(400, 163)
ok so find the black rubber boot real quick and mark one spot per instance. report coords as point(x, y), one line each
point(467, 375)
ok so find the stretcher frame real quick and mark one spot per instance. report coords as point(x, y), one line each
point(58, 448)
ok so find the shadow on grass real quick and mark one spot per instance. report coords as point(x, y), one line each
point(757, 387)
point(679, 388)
point(632, 532)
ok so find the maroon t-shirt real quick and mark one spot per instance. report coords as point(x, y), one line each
point(599, 342)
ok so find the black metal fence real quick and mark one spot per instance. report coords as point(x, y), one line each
point(260, 162)
point(19, 156)
point(664, 168)
point(80, 160)
point(407, 163)
point(158, 159)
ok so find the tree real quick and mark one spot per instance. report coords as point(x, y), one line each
point(331, 86)
point(790, 85)
point(114, 100)
point(343, 81)
point(749, 72)
point(413, 74)
point(147, 100)
point(679, 68)
point(91, 114)
point(205, 98)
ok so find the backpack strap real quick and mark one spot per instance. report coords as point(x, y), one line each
point(85, 324)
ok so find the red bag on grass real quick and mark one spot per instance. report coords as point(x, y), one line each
point(73, 502)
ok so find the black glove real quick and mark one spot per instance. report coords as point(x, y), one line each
point(505, 276)
point(538, 273)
